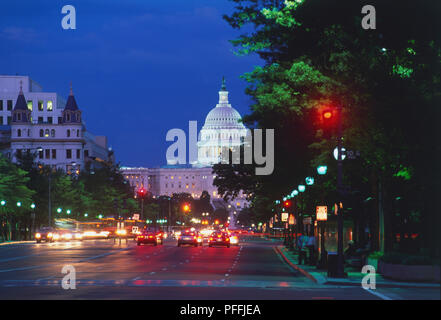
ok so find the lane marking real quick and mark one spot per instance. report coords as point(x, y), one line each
point(379, 295)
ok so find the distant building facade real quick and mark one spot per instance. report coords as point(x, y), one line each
point(222, 128)
point(45, 124)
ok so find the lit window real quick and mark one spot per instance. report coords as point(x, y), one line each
point(49, 106)
point(30, 105)
point(40, 105)
point(46, 133)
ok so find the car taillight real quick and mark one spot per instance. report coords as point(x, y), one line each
point(194, 237)
point(211, 239)
point(227, 239)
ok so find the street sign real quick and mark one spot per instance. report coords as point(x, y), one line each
point(285, 216)
point(322, 213)
point(307, 220)
point(292, 220)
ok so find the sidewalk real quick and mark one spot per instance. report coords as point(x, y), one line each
point(354, 278)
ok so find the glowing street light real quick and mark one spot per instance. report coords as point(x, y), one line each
point(59, 210)
point(18, 204)
point(33, 206)
point(3, 202)
point(301, 188)
point(309, 181)
point(68, 211)
point(321, 170)
point(86, 215)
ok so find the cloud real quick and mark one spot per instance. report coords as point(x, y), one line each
point(19, 34)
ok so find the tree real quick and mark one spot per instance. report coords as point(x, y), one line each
point(381, 75)
point(14, 190)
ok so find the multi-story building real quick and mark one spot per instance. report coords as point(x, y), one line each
point(45, 124)
point(222, 129)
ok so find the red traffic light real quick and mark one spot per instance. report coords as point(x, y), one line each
point(186, 207)
point(327, 114)
point(142, 192)
point(287, 203)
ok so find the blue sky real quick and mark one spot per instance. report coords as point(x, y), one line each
point(138, 67)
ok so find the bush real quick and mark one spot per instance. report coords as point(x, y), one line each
point(410, 260)
point(376, 255)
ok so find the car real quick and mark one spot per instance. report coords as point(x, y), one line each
point(219, 239)
point(147, 237)
point(45, 234)
point(234, 239)
point(69, 235)
point(189, 237)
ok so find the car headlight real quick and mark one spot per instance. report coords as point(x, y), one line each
point(78, 236)
point(67, 236)
point(37, 235)
point(56, 236)
point(50, 235)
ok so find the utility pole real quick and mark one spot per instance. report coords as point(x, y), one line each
point(340, 256)
point(49, 198)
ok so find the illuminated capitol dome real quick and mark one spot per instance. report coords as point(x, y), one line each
point(222, 129)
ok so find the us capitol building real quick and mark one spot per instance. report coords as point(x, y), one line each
point(222, 128)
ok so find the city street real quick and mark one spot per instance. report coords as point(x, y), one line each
point(108, 270)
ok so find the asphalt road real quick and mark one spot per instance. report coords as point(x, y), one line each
point(107, 270)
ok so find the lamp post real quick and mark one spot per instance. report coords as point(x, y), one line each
point(73, 164)
point(340, 257)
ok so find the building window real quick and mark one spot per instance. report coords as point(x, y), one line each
point(9, 105)
point(29, 132)
point(40, 105)
point(49, 120)
point(47, 153)
point(60, 120)
point(49, 106)
point(86, 153)
point(18, 153)
point(1, 120)
point(78, 133)
point(41, 132)
point(68, 133)
point(40, 119)
point(78, 154)
point(46, 133)
point(1, 105)
point(68, 117)
point(166, 185)
point(53, 133)
point(9, 120)
point(68, 154)
point(18, 132)
point(54, 153)
point(40, 154)
point(30, 105)
point(18, 116)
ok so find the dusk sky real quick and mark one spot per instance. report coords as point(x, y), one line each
point(138, 67)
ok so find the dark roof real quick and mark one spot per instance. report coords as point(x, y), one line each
point(71, 104)
point(21, 102)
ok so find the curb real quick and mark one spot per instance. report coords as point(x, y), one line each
point(292, 265)
point(387, 285)
point(15, 242)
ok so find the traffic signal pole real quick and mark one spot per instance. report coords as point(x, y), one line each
point(340, 256)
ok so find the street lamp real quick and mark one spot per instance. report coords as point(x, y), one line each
point(3, 202)
point(309, 181)
point(68, 211)
point(321, 170)
point(301, 188)
point(59, 210)
point(18, 204)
